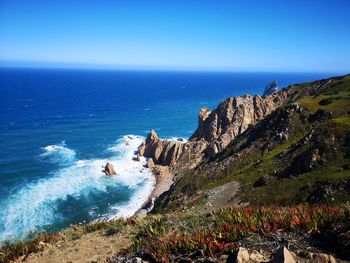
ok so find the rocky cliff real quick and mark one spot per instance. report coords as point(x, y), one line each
point(216, 129)
point(232, 117)
point(291, 147)
point(162, 152)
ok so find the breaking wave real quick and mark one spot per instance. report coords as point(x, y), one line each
point(38, 203)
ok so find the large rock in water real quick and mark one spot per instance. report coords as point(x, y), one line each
point(271, 88)
point(109, 169)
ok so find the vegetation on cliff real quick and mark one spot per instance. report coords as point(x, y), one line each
point(298, 153)
point(165, 238)
point(191, 236)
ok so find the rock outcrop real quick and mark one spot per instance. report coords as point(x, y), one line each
point(109, 169)
point(162, 152)
point(282, 255)
point(305, 162)
point(242, 255)
point(216, 129)
point(232, 117)
point(271, 88)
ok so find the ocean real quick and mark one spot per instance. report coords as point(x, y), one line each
point(58, 127)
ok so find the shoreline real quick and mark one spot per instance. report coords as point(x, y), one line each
point(164, 180)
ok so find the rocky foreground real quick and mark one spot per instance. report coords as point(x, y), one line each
point(262, 179)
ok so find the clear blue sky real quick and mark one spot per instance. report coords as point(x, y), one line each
point(251, 35)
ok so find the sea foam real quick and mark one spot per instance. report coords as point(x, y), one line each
point(35, 205)
point(59, 154)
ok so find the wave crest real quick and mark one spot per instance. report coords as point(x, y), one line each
point(59, 154)
point(36, 204)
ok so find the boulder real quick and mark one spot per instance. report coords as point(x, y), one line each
point(257, 257)
point(305, 162)
point(296, 107)
point(321, 258)
point(320, 115)
point(109, 169)
point(282, 255)
point(242, 255)
point(271, 88)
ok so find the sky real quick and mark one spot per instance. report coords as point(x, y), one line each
point(233, 35)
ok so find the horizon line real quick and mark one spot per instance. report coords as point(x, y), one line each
point(13, 64)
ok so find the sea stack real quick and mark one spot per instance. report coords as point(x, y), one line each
point(109, 169)
point(271, 88)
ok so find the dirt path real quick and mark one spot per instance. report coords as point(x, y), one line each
point(223, 195)
point(93, 247)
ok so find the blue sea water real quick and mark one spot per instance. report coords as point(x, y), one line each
point(58, 127)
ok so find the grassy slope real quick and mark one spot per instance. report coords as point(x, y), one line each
point(331, 136)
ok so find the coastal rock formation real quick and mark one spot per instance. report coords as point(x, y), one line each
point(162, 152)
point(301, 141)
point(232, 117)
point(271, 88)
point(109, 169)
point(216, 129)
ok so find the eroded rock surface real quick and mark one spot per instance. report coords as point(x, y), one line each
point(162, 152)
point(232, 117)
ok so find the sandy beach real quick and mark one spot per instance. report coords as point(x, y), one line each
point(164, 180)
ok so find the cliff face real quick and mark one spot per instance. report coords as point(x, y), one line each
point(296, 150)
point(216, 129)
point(232, 117)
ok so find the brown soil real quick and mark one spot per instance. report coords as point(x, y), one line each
point(93, 247)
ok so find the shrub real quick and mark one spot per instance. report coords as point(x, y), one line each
point(228, 226)
point(326, 101)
